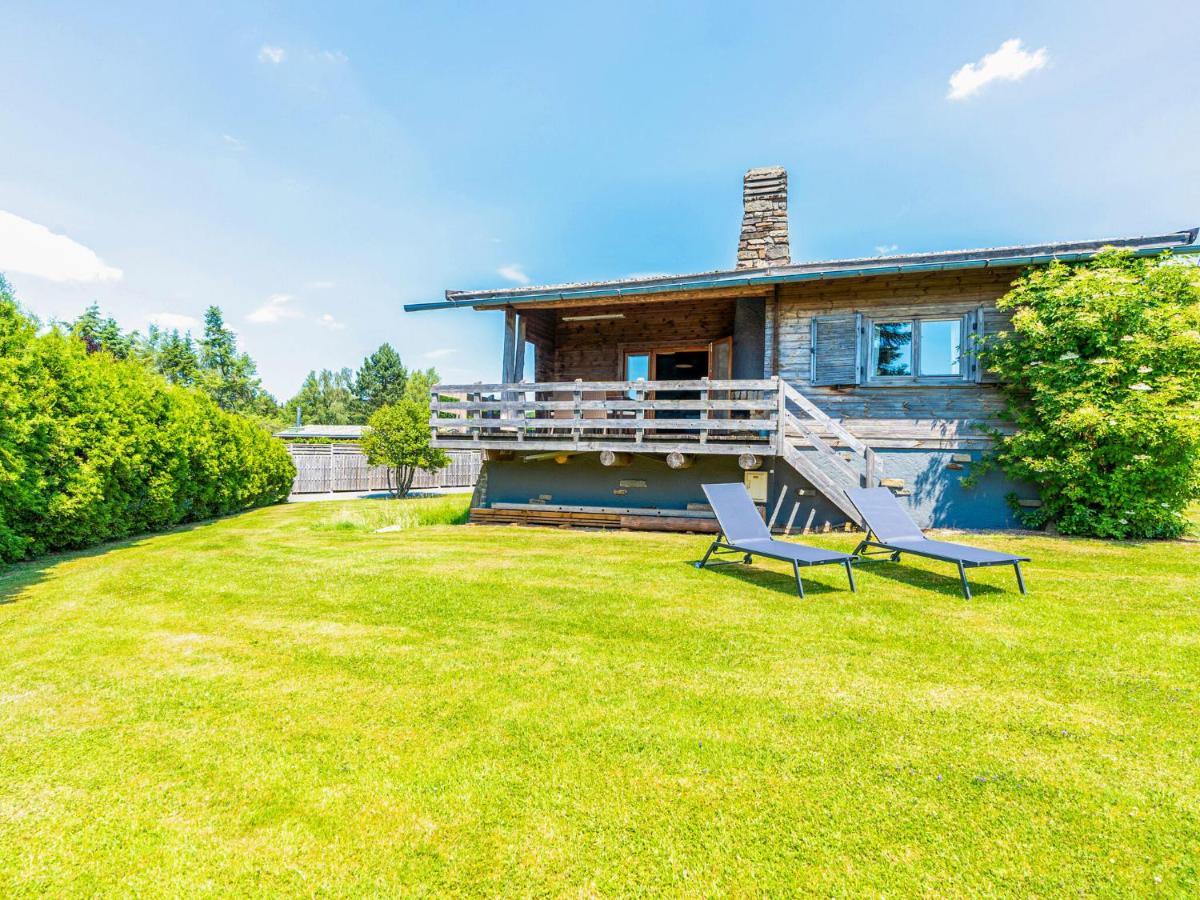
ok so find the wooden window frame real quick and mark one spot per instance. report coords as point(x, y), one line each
point(643, 348)
point(965, 375)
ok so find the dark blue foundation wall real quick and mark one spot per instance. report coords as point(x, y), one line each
point(932, 488)
point(582, 481)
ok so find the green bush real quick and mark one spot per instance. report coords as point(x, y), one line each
point(94, 448)
point(1102, 374)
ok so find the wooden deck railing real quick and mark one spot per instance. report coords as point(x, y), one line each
point(704, 416)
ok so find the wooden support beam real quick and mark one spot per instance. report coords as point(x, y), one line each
point(615, 458)
point(791, 518)
point(518, 365)
point(498, 455)
point(559, 456)
point(677, 460)
point(778, 506)
point(510, 341)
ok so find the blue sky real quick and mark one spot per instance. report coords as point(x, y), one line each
point(312, 167)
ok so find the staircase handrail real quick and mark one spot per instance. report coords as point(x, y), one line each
point(860, 447)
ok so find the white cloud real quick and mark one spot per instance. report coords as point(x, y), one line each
point(233, 143)
point(328, 321)
point(886, 249)
point(336, 57)
point(173, 320)
point(274, 310)
point(274, 55)
point(513, 272)
point(34, 249)
point(1010, 63)
point(441, 353)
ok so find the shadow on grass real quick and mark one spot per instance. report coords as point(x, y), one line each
point(926, 580)
point(16, 577)
point(780, 582)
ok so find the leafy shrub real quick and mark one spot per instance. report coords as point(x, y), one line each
point(94, 448)
point(1102, 374)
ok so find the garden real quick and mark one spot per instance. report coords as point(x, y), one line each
point(364, 698)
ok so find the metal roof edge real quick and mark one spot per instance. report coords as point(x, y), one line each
point(770, 276)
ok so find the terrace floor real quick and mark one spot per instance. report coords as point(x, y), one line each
point(291, 701)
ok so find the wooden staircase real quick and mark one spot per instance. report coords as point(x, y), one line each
point(825, 469)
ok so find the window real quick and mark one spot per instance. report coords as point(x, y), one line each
point(941, 347)
point(530, 373)
point(637, 368)
point(891, 349)
point(915, 350)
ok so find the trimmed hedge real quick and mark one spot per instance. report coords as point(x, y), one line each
point(94, 448)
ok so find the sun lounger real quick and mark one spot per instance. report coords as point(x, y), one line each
point(894, 531)
point(743, 531)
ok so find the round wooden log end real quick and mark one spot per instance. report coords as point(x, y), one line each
point(677, 460)
point(750, 461)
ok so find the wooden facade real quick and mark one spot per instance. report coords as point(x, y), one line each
point(813, 405)
point(589, 343)
point(570, 345)
point(918, 415)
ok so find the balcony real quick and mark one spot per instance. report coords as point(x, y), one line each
point(729, 417)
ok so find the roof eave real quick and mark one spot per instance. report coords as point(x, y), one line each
point(715, 281)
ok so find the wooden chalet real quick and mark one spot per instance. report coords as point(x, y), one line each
point(617, 400)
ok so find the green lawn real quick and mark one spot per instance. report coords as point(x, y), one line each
point(290, 701)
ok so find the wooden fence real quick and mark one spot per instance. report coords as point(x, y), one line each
point(321, 468)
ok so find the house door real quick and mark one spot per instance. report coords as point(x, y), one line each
point(720, 368)
point(720, 359)
point(684, 364)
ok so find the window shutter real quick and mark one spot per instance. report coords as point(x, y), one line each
point(988, 322)
point(835, 349)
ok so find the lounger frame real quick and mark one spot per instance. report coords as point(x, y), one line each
point(894, 550)
point(721, 546)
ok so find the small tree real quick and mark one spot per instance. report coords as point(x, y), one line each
point(1102, 376)
point(398, 437)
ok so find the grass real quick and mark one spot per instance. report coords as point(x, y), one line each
point(290, 701)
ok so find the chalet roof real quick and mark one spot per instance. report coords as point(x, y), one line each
point(992, 257)
point(330, 432)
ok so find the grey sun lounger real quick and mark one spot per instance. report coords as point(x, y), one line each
point(895, 532)
point(743, 531)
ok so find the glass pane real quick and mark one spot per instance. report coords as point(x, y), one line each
point(530, 373)
point(720, 360)
point(941, 347)
point(637, 368)
point(891, 348)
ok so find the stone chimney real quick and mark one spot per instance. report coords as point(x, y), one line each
point(764, 240)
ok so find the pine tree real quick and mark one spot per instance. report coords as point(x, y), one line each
point(381, 380)
point(176, 359)
point(102, 333)
point(230, 376)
